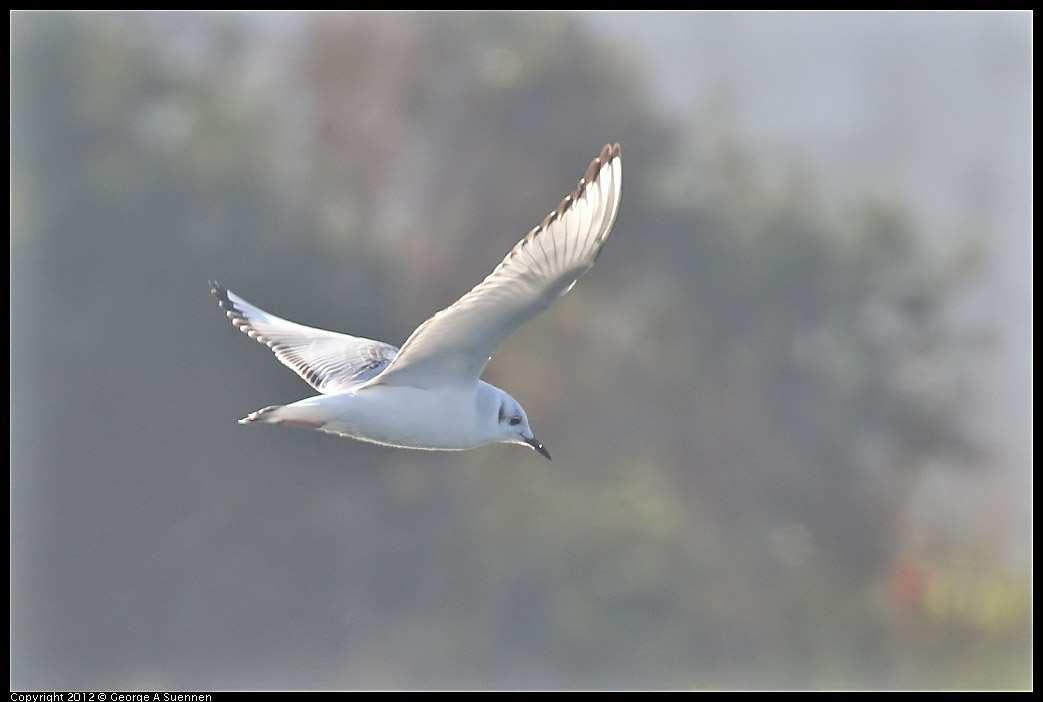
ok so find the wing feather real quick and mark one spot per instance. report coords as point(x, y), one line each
point(453, 346)
point(328, 361)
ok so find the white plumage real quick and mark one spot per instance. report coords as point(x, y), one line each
point(428, 394)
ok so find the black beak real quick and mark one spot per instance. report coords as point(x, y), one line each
point(531, 441)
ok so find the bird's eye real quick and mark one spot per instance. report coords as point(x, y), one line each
point(515, 421)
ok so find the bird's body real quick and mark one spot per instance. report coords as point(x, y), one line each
point(393, 415)
point(428, 394)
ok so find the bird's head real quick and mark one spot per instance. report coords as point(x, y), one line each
point(508, 422)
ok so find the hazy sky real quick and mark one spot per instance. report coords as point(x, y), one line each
point(155, 542)
point(931, 109)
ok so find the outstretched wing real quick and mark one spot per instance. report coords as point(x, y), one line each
point(328, 361)
point(453, 346)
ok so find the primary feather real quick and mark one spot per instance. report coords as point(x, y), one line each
point(328, 361)
point(454, 345)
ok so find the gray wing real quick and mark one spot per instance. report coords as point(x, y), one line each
point(329, 362)
point(453, 347)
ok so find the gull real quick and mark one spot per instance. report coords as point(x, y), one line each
point(429, 394)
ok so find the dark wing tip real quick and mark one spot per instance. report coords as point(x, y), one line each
point(219, 291)
point(592, 169)
point(234, 313)
point(608, 153)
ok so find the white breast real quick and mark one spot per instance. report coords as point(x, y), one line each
point(409, 417)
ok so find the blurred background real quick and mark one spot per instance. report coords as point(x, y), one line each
point(790, 408)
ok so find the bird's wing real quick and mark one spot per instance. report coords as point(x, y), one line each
point(328, 361)
point(453, 346)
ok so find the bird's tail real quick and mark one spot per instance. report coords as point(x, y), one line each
point(310, 413)
point(292, 415)
point(267, 415)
